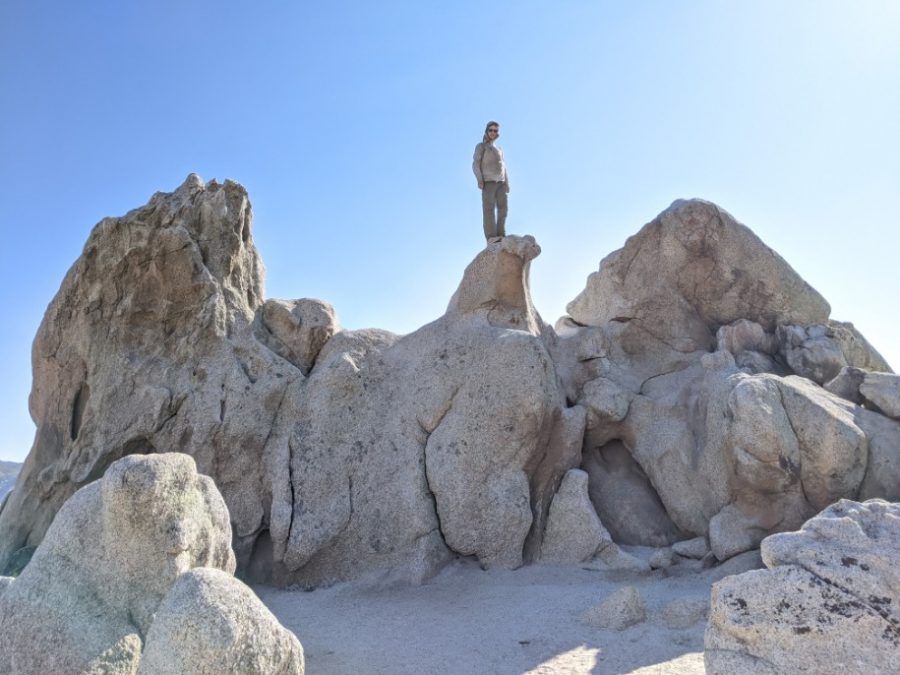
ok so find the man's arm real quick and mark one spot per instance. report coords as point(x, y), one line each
point(476, 164)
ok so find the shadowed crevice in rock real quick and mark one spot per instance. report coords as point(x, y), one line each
point(78, 406)
point(625, 499)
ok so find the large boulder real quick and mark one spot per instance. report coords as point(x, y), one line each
point(451, 439)
point(692, 350)
point(828, 602)
point(148, 346)
point(211, 623)
point(141, 555)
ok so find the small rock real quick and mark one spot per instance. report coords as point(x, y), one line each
point(684, 612)
point(883, 391)
point(620, 610)
point(662, 558)
point(691, 548)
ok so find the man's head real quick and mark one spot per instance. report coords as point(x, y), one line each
point(491, 132)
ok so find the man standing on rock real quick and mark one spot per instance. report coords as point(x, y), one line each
point(493, 181)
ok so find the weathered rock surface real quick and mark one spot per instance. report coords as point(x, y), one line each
point(624, 497)
point(574, 532)
point(684, 612)
point(90, 597)
point(297, 330)
point(883, 391)
point(683, 383)
point(827, 604)
point(688, 272)
point(691, 548)
point(463, 418)
point(212, 623)
point(622, 609)
point(667, 414)
point(148, 347)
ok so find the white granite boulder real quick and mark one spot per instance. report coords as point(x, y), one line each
point(451, 439)
point(883, 391)
point(211, 623)
point(828, 602)
point(89, 598)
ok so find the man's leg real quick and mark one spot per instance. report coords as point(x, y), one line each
point(488, 201)
point(501, 209)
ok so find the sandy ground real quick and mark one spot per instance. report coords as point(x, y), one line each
point(470, 621)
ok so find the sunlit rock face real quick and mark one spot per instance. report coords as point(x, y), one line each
point(407, 450)
point(827, 602)
point(686, 381)
point(116, 570)
point(699, 354)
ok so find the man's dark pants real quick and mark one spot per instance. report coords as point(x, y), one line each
point(493, 197)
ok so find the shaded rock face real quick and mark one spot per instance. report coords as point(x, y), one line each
point(691, 270)
point(698, 354)
point(685, 382)
point(828, 600)
point(89, 599)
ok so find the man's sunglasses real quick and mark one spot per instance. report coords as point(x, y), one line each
point(493, 131)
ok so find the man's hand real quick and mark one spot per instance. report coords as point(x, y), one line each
point(507, 188)
point(481, 185)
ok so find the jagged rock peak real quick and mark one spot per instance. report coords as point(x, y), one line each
point(145, 347)
point(690, 270)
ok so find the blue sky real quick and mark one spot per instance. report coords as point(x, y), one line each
point(352, 126)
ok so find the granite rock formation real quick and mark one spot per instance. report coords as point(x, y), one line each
point(128, 551)
point(828, 602)
point(694, 358)
point(699, 357)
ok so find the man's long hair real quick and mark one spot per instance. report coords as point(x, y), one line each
point(485, 139)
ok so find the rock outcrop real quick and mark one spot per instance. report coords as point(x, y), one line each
point(105, 572)
point(463, 419)
point(698, 354)
point(211, 623)
point(148, 347)
point(687, 382)
point(828, 602)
